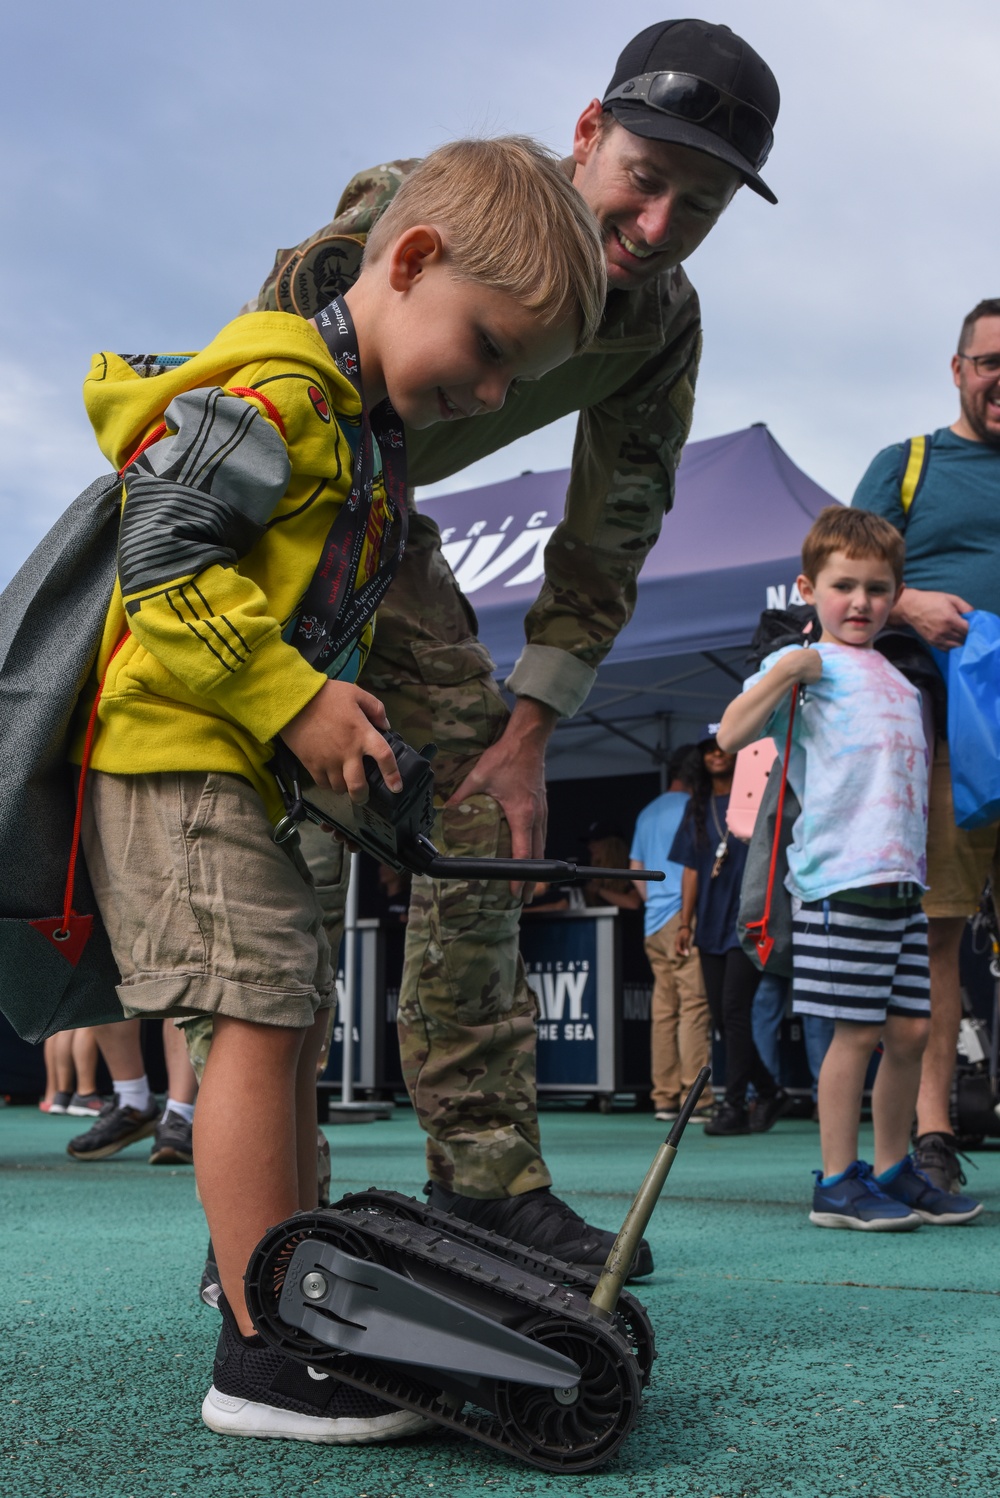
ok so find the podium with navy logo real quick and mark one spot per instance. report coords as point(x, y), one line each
point(593, 1025)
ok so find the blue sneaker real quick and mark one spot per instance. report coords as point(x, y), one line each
point(911, 1188)
point(856, 1200)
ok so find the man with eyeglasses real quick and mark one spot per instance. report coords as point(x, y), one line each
point(687, 119)
point(952, 529)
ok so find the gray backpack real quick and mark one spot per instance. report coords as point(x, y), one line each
point(51, 617)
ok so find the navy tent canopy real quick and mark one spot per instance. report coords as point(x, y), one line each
point(728, 549)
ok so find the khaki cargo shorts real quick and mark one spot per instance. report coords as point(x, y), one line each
point(206, 914)
point(958, 861)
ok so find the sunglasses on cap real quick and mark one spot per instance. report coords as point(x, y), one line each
point(686, 97)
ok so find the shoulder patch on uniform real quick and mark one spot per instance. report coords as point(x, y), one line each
point(283, 283)
point(324, 270)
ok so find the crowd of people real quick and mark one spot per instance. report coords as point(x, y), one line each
point(263, 466)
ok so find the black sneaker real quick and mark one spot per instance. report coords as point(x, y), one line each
point(542, 1222)
point(210, 1289)
point(767, 1110)
point(728, 1120)
point(937, 1155)
point(113, 1129)
point(257, 1391)
point(172, 1145)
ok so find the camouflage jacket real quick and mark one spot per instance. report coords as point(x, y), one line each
point(634, 390)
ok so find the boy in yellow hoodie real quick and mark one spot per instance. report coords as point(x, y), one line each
point(264, 511)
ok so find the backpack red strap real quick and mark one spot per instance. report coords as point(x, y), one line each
point(764, 942)
point(69, 933)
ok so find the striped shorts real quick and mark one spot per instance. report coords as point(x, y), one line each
point(859, 962)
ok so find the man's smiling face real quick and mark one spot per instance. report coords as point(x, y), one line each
point(654, 201)
point(979, 389)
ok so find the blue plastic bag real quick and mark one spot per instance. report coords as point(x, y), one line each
point(974, 722)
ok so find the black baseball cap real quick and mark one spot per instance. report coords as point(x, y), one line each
point(737, 130)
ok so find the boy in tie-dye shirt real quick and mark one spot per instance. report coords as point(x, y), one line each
point(856, 867)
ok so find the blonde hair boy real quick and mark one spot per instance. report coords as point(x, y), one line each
point(511, 220)
point(238, 461)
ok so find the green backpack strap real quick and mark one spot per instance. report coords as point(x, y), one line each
point(918, 451)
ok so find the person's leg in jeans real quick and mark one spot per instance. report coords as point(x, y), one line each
point(766, 1016)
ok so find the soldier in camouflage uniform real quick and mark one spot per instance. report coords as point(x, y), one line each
point(657, 182)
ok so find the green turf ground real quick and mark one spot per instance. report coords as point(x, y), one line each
point(792, 1361)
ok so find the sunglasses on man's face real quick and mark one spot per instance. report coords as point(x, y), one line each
point(687, 97)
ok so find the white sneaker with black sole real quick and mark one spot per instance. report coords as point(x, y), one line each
point(257, 1391)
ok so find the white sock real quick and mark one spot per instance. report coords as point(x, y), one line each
point(186, 1110)
point(134, 1094)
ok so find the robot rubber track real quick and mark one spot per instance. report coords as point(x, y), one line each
point(630, 1315)
point(443, 1275)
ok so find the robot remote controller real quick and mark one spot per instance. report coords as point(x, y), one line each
point(394, 827)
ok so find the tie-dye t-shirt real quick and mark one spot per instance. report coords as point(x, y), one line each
point(859, 767)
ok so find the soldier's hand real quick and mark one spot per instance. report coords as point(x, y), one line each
point(334, 731)
point(512, 771)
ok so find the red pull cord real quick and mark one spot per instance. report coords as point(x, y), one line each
point(764, 942)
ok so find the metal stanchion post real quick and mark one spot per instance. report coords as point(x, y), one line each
point(347, 1110)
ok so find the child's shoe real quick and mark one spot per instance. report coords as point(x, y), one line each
point(172, 1144)
point(257, 1391)
point(113, 1129)
point(908, 1184)
point(856, 1200)
point(85, 1104)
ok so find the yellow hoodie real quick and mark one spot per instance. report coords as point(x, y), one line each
point(204, 680)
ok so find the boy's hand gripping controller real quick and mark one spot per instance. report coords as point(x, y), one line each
point(394, 827)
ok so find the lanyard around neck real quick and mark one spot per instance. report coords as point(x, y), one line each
point(335, 607)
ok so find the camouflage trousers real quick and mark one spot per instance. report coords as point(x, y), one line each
point(466, 1013)
point(467, 1016)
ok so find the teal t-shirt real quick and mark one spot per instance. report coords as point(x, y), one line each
point(953, 528)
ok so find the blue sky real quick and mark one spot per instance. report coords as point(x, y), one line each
point(154, 157)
